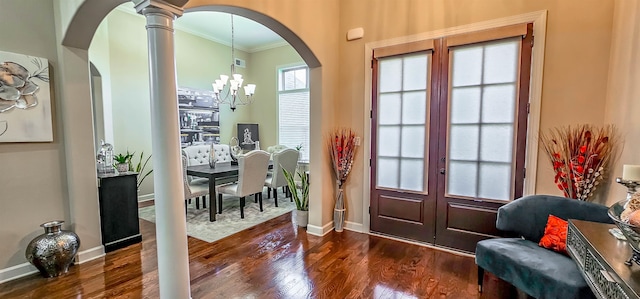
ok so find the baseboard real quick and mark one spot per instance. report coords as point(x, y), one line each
point(146, 197)
point(16, 272)
point(319, 231)
point(90, 254)
point(353, 226)
point(423, 244)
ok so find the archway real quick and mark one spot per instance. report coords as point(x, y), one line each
point(74, 77)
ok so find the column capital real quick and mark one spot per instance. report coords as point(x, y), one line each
point(173, 7)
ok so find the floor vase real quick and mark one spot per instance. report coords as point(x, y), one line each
point(53, 251)
point(338, 211)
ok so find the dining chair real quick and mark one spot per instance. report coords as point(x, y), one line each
point(252, 170)
point(284, 159)
point(193, 190)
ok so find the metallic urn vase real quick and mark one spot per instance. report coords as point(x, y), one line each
point(53, 251)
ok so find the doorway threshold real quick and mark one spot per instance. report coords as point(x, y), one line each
point(423, 244)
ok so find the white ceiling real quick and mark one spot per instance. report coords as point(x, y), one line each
point(249, 36)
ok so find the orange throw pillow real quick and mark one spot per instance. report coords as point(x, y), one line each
point(555, 235)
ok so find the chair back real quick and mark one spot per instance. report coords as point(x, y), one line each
point(185, 180)
point(252, 170)
point(197, 154)
point(222, 153)
point(287, 159)
point(528, 215)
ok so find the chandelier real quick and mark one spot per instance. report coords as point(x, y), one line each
point(230, 93)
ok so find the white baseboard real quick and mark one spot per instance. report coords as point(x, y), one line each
point(146, 197)
point(16, 272)
point(25, 269)
point(354, 226)
point(90, 254)
point(319, 231)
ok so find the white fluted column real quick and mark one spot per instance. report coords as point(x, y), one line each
point(171, 230)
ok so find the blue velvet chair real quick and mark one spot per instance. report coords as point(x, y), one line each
point(537, 271)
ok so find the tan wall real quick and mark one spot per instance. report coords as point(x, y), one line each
point(263, 67)
point(575, 70)
point(32, 176)
point(623, 106)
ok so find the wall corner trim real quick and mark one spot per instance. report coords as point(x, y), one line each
point(90, 254)
point(354, 226)
point(320, 231)
point(17, 271)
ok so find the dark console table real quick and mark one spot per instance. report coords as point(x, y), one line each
point(119, 210)
point(601, 258)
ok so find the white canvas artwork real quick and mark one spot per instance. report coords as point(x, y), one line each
point(25, 99)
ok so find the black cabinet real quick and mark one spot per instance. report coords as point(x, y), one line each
point(119, 210)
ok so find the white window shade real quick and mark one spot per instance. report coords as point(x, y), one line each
point(293, 121)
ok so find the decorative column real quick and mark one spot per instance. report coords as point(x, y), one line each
point(171, 228)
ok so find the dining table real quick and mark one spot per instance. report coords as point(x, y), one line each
point(221, 174)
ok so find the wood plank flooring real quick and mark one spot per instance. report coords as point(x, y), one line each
point(274, 260)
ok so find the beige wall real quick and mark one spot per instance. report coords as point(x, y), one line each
point(623, 104)
point(263, 68)
point(32, 176)
point(575, 71)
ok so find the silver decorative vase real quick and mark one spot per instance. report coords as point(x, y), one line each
point(338, 212)
point(53, 251)
point(302, 218)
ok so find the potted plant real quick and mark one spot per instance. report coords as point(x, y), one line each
point(122, 161)
point(139, 168)
point(301, 199)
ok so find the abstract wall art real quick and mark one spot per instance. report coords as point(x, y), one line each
point(25, 99)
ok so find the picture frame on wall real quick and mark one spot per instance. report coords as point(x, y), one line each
point(249, 136)
point(25, 99)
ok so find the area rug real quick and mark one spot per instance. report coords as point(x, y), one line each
point(229, 222)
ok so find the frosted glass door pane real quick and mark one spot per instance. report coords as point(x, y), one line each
point(390, 75)
point(389, 141)
point(413, 142)
point(467, 66)
point(389, 110)
point(415, 72)
point(411, 175)
point(388, 172)
point(497, 143)
point(495, 181)
point(465, 105)
point(414, 107)
point(461, 178)
point(501, 61)
point(463, 142)
point(498, 104)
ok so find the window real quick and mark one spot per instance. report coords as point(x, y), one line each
point(293, 109)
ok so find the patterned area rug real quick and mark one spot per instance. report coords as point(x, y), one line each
point(229, 222)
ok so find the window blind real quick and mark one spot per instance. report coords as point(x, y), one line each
point(293, 120)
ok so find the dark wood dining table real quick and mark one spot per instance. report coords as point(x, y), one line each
point(223, 173)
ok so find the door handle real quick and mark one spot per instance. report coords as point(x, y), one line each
point(442, 171)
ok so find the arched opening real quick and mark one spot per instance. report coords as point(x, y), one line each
point(75, 79)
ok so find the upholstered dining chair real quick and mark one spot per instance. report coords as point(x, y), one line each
point(193, 190)
point(284, 159)
point(252, 170)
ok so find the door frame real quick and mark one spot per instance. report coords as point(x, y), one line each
point(539, 20)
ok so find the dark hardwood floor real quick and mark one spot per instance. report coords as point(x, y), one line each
point(275, 260)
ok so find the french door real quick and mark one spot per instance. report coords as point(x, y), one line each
point(448, 134)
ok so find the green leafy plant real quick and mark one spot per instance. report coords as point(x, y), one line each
point(302, 199)
point(123, 159)
point(140, 167)
point(299, 147)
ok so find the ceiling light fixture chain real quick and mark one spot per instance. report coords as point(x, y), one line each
point(232, 90)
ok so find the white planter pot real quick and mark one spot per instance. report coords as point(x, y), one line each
point(302, 218)
point(123, 167)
